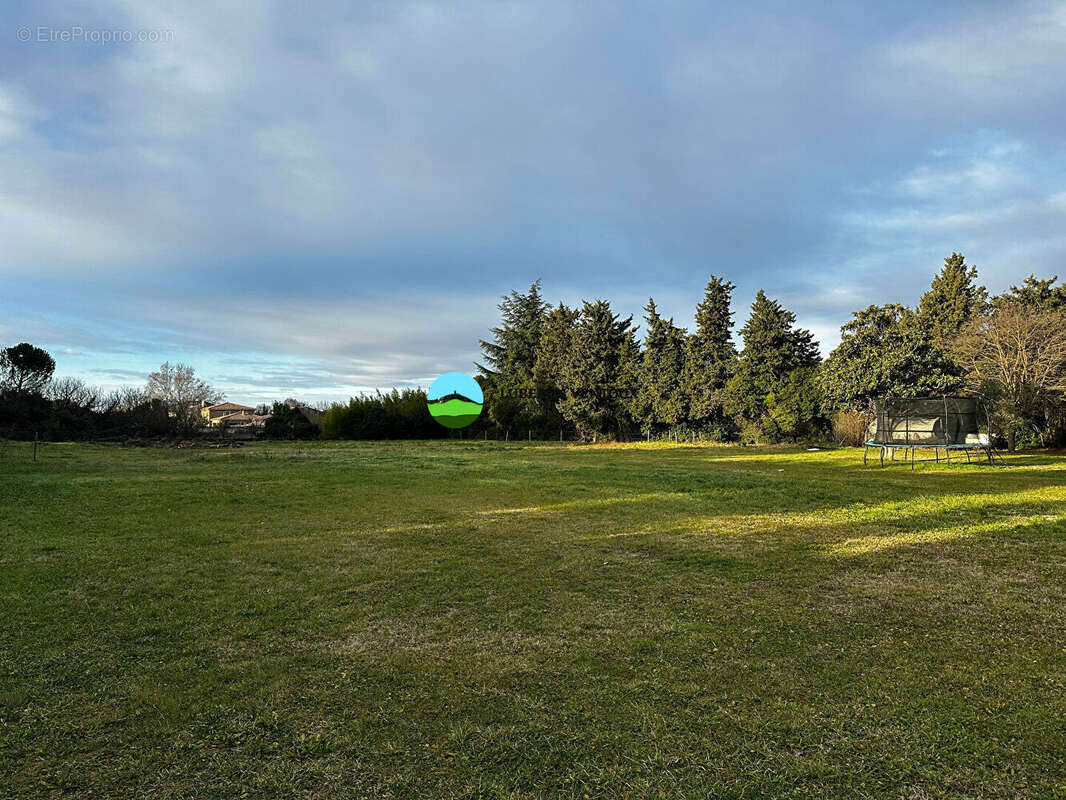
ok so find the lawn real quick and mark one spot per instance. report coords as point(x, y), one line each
point(478, 619)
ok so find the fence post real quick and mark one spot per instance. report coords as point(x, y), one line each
point(35, 445)
point(530, 437)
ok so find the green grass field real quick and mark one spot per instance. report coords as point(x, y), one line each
point(476, 619)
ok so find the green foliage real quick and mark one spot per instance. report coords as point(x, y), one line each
point(511, 357)
point(793, 409)
point(885, 351)
point(287, 422)
point(25, 369)
point(709, 362)
point(399, 414)
point(556, 342)
point(952, 300)
point(656, 402)
point(1036, 293)
point(774, 393)
point(598, 376)
point(512, 353)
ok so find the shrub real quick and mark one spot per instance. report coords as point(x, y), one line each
point(850, 428)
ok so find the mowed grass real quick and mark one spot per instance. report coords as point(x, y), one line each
point(475, 619)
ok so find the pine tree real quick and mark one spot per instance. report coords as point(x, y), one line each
point(555, 343)
point(511, 357)
point(765, 391)
point(1038, 294)
point(512, 354)
point(657, 402)
point(952, 300)
point(556, 333)
point(709, 362)
point(597, 374)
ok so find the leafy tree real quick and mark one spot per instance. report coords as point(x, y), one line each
point(399, 414)
point(287, 422)
point(129, 411)
point(761, 394)
point(25, 369)
point(710, 359)
point(1017, 356)
point(885, 351)
point(182, 393)
point(952, 300)
point(598, 372)
point(794, 407)
point(657, 401)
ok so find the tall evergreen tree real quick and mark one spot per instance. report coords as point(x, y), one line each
point(511, 357)
point(512, 353)
point(556, 334)
point(657, 403)
point(710, 359)
point(885, 351)
point(952, 300)
point(555, 343)
point(1035, 293)
point(774, 392)
point(596, 378)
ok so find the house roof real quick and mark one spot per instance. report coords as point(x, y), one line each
point(234, 406)
point(238, 417)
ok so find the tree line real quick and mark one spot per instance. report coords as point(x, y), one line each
point(582, 373)
point(583, 370)
point(34, 403)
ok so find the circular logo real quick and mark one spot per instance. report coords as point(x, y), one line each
point(455, 400)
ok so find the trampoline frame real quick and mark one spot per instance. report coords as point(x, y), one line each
point(889, 448)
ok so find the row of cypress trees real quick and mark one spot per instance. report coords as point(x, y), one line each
point(583, 370)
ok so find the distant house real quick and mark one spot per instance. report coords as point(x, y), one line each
point(232, 414)
point(311, 414)
point(235, 415)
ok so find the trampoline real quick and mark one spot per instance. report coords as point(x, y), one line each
point(951, 424)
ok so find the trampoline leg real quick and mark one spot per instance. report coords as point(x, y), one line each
point(865, 450)
point(912, 458)
point(882, 456)
point(947, 455)
point(936, 454)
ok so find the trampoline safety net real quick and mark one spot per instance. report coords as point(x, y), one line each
point(930, 421)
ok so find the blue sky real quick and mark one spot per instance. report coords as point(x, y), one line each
point(459, 382)
point(313, 201)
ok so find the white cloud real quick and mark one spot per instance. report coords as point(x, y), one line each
point(1009, 56)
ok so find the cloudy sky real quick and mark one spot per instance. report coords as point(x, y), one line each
point(317, 199)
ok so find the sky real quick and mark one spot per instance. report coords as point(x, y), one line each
point(314, 200)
